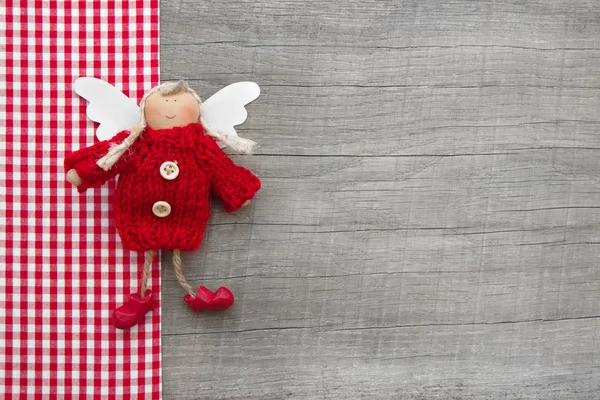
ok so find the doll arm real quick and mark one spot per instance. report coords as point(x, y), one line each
point(83, 162)
point(233, 184)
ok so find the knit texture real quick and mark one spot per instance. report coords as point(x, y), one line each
point(203, 167)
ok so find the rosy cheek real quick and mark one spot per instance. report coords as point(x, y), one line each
point(191, 111)
point(150, 110)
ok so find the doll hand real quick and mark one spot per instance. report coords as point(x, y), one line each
point(73, 177)
point(246, 203)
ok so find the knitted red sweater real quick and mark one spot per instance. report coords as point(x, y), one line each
point(162, 199)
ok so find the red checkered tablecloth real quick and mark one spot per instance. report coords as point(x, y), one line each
point(63, 270)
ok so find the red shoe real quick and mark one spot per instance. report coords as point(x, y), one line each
point(220, 300)
point(132, 312)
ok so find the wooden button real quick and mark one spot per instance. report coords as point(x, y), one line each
point(169, 170)
point(161, 209)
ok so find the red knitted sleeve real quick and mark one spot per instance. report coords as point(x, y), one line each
point(231, 183)
point(84, 162)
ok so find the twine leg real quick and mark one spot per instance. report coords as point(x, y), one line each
point(147, 263)
point(179, 273)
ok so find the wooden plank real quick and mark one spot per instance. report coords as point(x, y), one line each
point(530, 360)
point(375, 279)
point(375, 23)
point(367, 121)
point(426, 66)
point(518, 188)
point(427, 226)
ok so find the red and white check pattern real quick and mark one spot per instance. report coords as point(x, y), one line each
point(62, 269)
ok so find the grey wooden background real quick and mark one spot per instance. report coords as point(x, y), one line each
point(429, 226)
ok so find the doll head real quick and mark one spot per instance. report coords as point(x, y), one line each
point(170, 105)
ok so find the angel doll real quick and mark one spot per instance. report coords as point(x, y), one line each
point(168, 164)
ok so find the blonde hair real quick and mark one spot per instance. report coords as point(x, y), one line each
point(117, 150)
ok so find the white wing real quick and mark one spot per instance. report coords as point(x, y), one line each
point(114, 111)
point(225, 109)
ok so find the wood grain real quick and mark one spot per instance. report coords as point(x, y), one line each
point(428, 223)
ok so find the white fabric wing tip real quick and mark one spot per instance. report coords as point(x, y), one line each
point(226, 109)
point(108, 106)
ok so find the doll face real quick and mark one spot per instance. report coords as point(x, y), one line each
point(169, 111)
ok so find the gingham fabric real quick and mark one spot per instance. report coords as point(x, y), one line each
point(62, 269)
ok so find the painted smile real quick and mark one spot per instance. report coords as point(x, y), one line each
point(171, 117)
